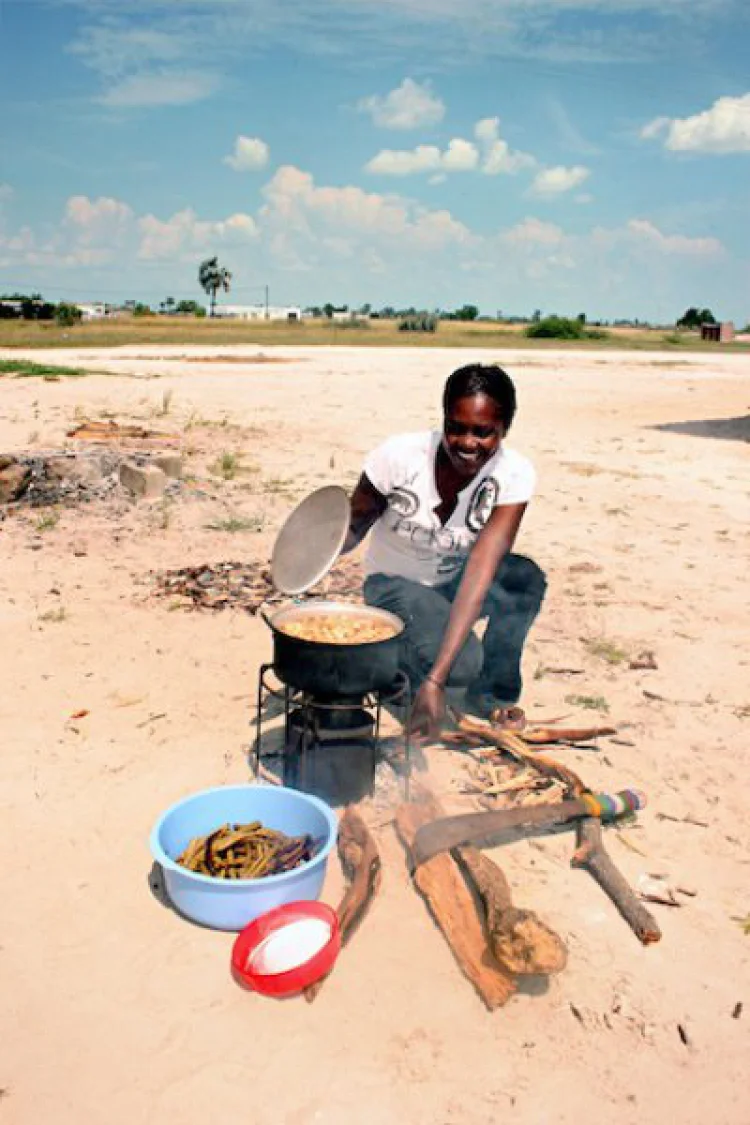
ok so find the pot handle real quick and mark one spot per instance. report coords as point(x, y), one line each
point(263, 612)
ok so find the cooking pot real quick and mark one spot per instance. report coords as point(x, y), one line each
point(331, 670)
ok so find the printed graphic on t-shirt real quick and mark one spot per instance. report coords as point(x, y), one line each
point(403, 501)
point(481, 504)
point(449, 543)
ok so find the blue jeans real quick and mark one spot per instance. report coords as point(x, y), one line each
point(491, 666)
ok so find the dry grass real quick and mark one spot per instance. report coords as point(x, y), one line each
point(176, 331)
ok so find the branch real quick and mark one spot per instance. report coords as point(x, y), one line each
point(592, 855)
point(360, 860)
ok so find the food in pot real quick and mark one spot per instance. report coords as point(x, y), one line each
point(339, 628)
point(247, 851)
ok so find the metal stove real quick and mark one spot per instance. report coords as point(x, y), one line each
point(311, 723)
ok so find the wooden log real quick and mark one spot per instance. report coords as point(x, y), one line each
point(592, 855)
point(360, 861)
point(519, 939)
point(442, 886)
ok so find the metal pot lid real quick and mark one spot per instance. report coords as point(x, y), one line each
point(310, 540)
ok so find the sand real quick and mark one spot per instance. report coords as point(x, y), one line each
point(116, 1010)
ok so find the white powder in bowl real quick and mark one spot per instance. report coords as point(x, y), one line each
point(290, 946)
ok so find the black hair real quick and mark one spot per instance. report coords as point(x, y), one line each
point(482, 379)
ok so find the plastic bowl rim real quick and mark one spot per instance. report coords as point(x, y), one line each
point(166, 861)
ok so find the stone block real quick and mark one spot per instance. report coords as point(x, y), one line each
point(14, 480)
point(146, 482)
point(171, 464)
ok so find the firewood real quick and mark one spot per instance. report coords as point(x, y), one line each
point(440, 883)
point(515, 746)
point(539, 736)
point(519, 939)
point(592, 855)
point(360, 860)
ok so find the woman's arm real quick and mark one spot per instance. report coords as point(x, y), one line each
point(367, 506)
point(493, 543)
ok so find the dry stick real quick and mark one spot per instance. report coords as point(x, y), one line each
point(515, 746)
point(539, 736)
point(360, 860)
point(592, 855)
point(440, 883)
point(520, 940)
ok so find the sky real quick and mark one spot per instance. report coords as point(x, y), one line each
point(567, 155)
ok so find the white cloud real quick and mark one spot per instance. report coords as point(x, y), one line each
point(654, 128)
point(300, 218)
point(534, 232)
point(392, 162)
point(250, 154)
point(498, 157)
point(723, 128)
point(6, 193)
point(162, 88)
point(409, 106)
point(644, 231)
point(184, 233)
point(555, 181)
point(460, 156)
point(98, 222)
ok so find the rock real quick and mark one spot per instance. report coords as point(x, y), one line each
point(14, 480)
point(147, 482)
point(74, 470)
point(170, 464)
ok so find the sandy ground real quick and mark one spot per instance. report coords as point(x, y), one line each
point(115, 1010)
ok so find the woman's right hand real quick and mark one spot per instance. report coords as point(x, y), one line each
point(428, 710)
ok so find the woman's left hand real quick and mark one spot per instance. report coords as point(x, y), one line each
point(428, 710)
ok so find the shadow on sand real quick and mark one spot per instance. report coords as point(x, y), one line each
point(728, 429)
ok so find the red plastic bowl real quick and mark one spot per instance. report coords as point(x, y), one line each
point(247, 960)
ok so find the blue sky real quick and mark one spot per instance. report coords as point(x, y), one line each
point(568, 155)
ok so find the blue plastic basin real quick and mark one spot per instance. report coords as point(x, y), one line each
point(226, 904)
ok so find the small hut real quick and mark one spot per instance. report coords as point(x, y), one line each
point(719, 333)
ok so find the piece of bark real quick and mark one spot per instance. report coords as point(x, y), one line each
point(442, 886)
point(360, 860)
point(592, 855)
point(519, 939)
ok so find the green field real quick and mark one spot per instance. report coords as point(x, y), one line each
point(177, 331)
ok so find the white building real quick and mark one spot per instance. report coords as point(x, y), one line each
point(94, 310)
point(259, 312)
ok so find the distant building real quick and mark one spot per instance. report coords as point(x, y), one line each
point(720, 333)
point(93, 310)
point(259, 312)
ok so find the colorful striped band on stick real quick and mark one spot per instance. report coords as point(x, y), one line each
point(612, 806)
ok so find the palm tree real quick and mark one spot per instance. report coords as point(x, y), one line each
point(212, 278)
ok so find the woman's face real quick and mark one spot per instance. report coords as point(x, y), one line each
point(472, 432)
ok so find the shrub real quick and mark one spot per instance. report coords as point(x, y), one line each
point(418, 322)
point(556, 328)
point(67, 315)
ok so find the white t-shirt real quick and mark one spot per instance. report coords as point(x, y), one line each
point(408, 540)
